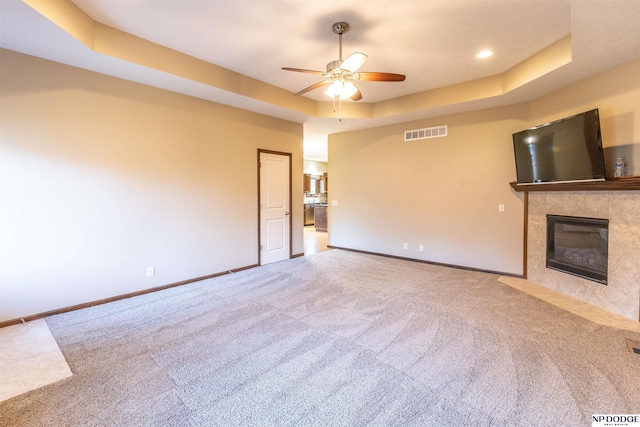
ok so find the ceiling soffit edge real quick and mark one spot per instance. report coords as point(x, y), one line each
point(551, 58)
point(118, 44)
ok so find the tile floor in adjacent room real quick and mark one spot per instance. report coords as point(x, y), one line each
point(314, 241)
point(29, 358)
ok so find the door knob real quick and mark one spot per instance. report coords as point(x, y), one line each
point(287, 213)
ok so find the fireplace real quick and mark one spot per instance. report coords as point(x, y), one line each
point(578, 246)
point(621, 295)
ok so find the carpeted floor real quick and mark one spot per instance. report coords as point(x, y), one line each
point(336, 338)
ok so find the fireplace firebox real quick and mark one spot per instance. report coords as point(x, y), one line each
point(578, 246)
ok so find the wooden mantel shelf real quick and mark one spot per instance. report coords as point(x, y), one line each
point(626, 183)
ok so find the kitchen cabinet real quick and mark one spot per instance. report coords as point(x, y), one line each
point(306, 185)
point(322, 184)
point(312, 184)
point(321, 217)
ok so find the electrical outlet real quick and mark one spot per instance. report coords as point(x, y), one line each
point(151, 271)
point(500, 207)
point(334, 203)
point(405, 246)
point(421, 248)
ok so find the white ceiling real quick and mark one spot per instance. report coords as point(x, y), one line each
point(432, 42)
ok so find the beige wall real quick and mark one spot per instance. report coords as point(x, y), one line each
point(616, 94)
point(102, 178)
point(444, 193)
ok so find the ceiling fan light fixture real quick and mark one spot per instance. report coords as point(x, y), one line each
point(343, 90)
point(353, 62)
point(340, 72)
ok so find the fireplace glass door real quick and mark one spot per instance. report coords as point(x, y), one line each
point(578, 246)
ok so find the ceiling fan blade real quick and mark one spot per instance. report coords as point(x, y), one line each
point(353, 61)
point(301, 70)
point(314, 86)
point(381, 77)
point(356, 96)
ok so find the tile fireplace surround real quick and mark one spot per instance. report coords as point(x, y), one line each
point(622, 209)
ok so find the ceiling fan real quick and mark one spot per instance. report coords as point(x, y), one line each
point(340, 74)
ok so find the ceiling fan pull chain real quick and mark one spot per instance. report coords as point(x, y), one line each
point(340, 106)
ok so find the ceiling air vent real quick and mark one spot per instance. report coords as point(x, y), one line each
point(426, 133)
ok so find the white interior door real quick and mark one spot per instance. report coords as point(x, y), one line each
point(275, 209)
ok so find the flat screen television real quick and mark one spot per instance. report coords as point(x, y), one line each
point(566, 150)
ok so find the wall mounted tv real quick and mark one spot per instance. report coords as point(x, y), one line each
point(565, 150)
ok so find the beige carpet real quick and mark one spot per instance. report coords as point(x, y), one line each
point(336, 338)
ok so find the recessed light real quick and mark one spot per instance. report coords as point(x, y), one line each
point(484, 54)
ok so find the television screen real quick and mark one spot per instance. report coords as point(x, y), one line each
point(569, 149)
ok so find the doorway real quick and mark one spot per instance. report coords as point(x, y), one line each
point(314, 241)
point(274, 206)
